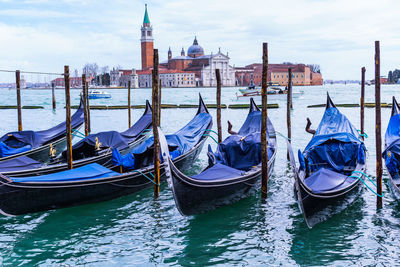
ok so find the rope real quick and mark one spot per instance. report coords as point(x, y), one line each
point(147, 176)
point(209, 130)
point(211, 137)
point(362, 134)
point(77, 133)
point(78, 136)
point(35, 72)
point(282, 135)
point(359, 177)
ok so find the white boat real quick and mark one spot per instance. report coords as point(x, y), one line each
point(96, 94)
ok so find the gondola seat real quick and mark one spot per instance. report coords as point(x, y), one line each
point(218, 172)
point(325, 180)
point(87, 172)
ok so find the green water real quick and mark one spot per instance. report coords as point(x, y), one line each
point(138, 230)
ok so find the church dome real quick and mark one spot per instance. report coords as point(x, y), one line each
point(195, 50)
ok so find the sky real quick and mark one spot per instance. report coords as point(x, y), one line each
point(45, 35)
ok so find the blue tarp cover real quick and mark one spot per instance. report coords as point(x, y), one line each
point(88, 172)
point(391, 153)
point(6, 150)
point(326, 180)
point(19, 164)
point(20, 141)
point(335, 144)
point(243, 151)
point(182, 141)
point(112, 139)
point(218, 172)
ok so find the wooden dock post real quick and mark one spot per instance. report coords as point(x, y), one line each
point(378, 125)
point(288, 107)
point(85, 107)
point(53, 95)
point(68, 117)
point(264, 117)
point(18, 87)
point(155, 99)
point(129, 104)
point(219, 128)
point(88, 106)
point(362, 102)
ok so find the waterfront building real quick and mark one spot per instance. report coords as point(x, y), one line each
point(277, 73)
point(122, 77)
point(168, 78)
point(73, 81)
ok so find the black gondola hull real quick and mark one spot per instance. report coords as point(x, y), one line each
point(319, 208)
point(194, 199)
point(23, 198)
point(394, 189)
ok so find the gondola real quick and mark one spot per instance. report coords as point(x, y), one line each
point(95, 148)
point(391, 154)
point(38, 144)
point(94, 183)
point(233, 172)
point(329, 177)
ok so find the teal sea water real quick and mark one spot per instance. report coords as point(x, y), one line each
point(138, 230)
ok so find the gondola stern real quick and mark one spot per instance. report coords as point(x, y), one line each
point(202, 107)
point(329, 102)
point(148, 108)
point(395, 106)
point(253, 106)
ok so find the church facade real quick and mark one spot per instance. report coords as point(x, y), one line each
point(195, 65)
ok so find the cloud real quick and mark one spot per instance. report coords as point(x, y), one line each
point(338, 35)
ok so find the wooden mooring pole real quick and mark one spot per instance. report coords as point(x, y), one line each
point(68, 117)
point(362, 102)
point(288, 107)
point(219, 128)
point(378, 125)
point(85, 107)
point(53, 95)
point(18, 87)
point(155, 117)
point(129, 104)
point(264, 117)
point(88, 106)
point(159, 103)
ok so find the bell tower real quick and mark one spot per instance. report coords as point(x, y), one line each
point(169, 53)
point(147, 42)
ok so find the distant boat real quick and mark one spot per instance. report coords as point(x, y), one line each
point(256, 91)
point(97, 94)
point(252, 90)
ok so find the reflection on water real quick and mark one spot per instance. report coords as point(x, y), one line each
point(138, 229)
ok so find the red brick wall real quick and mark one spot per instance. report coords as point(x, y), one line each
point(147, 55)
point(316, 78)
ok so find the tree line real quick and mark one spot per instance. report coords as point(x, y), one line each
point(101, 74)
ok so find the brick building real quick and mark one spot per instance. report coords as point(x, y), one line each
point(277, 73)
